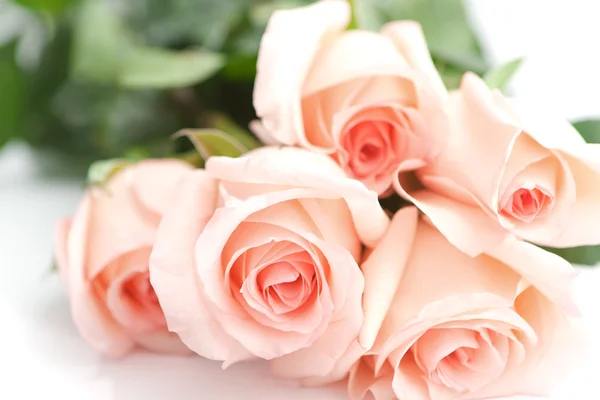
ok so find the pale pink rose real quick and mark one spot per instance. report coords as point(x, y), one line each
point(368, 99)
point(508, 170)
point(450, 326)
point(102, 255)
point(273, 272)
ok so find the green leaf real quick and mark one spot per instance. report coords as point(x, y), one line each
point(101, 171)
point(445, 24)
point(368, 14)
point(222, 123)
point(154, 68)
point(13, 85)
point(451, 77)
point(589, 129)
point(213, 142)
point(51, 6)
point(188, 22)
point(584, 255)
point(499, 77)
point(106, 122)
point(100, 43)
point(262, 11)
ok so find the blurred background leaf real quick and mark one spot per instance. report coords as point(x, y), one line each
point(584, 255)
point(51, 6)
point(589, 129)
point(499, 77)
point(100, 43)
point(214, 142)
point(155, 68)
point(452, 42)
point(13, 85)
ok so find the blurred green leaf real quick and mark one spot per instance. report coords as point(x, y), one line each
point(154, 68)
point(48, 76)
point(369, 14)
point(589, 129)
point(13, 85)
point(445, 24)
point(102, 170)
point(499, 77)
point(261, 11)
point(236, 132)
point(51, 6)
point(213, 142)
point(188, 22)
point(584, 255)
point(460, 61)
point(240, 68)
point(105, 122)
point(451, 76)
point(100, 43)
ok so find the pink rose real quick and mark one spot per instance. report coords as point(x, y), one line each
point(273, 272)
point(506, 170)
point(102, 255)
point(454, 327)
point(368, 99)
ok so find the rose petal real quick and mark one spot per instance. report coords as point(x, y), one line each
point(383, 269)
point(163, 342)
point(331, 68)
point(559, 345)
point(117, 223)
point(61, 237)
point(549, 273)
point(410, 40)
point(287, 50)
point(93, 321)
point(292, 167)
point(131, 313)
point(154, 181)
point(173, 271)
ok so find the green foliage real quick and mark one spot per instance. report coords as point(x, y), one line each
point(154, 68)
point(584, 255)
point(589, 129)
point(214, 142)
point(100, 43)
point(499, 77)
point(13, 83)
point(102, 170)
point(451, 40)
point(187, 22)
point(51, 6)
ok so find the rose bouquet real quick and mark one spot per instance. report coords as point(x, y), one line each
point(386, 233)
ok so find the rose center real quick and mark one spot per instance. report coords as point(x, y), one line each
point(369, 151)
point(461, 359)
point(139, 289)
point(368, 144)
point(527, 204)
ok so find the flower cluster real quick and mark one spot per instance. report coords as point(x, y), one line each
point(286, 254)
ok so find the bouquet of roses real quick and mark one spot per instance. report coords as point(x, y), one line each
point(385, 234)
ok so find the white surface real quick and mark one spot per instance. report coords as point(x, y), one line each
point(41, 354)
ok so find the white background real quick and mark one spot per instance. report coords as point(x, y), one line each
point(41, 354)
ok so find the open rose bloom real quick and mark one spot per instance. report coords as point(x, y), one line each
point(102, 254)
point(258, 257)
point(370, 100)
point(508, 171)
point(457, 327)
point(286, 254)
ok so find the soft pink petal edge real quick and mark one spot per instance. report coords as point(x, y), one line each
point(173, 270)
point(287, 49)
point(293, 167)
